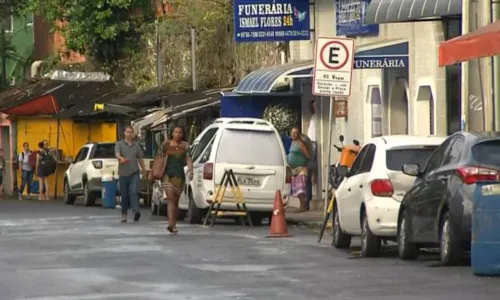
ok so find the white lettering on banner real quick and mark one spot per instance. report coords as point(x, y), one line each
point(265, 9)
point(379, 63)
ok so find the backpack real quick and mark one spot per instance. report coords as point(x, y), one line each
point(31, 159)
point(48, 163)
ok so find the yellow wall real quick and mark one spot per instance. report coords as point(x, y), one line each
point(71, 138)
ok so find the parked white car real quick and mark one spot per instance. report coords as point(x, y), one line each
point(83, 176)
point(367, 201)
point(253, 149)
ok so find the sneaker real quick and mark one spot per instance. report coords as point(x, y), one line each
point(124, 218)
point(137, 216)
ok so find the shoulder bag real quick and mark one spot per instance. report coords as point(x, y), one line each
point(160, 163)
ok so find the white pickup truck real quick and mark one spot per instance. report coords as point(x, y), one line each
point(83, 176)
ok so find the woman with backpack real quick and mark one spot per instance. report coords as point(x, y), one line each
point(44, 166)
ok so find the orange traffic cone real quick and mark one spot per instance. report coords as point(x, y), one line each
point(278, 222)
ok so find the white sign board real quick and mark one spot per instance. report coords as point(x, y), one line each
point(333, 65)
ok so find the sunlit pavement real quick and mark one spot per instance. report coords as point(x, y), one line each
point(52, 251)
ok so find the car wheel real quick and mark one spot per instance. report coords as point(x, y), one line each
point(340, 240)
point(68, 198)
point(194, 215)
point(88, 197)
point(406, 249)
point(154, 208)
point(450, 249)
point(370, 243)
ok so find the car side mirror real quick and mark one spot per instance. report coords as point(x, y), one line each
point(69, 159)
point(411, 169)
point(342, 171)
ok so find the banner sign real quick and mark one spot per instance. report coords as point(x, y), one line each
point(351, 18)
point(271, 20)
point(388, 62)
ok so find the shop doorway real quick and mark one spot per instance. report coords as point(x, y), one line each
point(398, 107)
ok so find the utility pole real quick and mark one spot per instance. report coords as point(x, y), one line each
point(157, 52)
point(193, 57)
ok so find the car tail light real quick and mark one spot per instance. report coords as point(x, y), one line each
point(97, 164)
point(382, 188)
point(208, 171)
point(471, 175)
point(288, 178)
point(151, 164)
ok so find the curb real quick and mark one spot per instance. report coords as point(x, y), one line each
point(308, 224)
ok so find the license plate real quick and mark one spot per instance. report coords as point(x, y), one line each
point(490, 190)
point(247, 181)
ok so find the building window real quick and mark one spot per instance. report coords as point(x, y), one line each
point(8, 24)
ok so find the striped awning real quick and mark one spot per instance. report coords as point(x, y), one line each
point(390, 11)
point(262, 81)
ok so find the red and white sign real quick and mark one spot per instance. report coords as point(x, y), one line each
point(333, 64)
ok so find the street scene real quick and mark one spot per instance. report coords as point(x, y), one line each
point(249, 149)
point(52, 251)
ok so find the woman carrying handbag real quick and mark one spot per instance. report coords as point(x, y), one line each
point(169, 168)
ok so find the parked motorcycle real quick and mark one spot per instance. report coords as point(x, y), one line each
point(347, 156)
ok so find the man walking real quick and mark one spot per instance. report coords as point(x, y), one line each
point(130, 156)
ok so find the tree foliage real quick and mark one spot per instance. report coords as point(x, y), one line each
point(219, 60)
point(102, 30)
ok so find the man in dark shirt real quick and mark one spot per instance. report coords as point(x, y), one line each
point(130, 156)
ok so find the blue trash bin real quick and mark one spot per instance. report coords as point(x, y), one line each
point(109, 193)
point(485, 245)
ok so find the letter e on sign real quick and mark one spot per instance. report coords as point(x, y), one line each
point(333, 66)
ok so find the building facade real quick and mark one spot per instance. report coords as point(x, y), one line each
point(397, 84)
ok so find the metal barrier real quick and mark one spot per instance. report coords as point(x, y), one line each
point(241, 209)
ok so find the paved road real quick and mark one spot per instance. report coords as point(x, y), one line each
point(52, 251)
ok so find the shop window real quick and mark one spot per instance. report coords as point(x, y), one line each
point(376, 110)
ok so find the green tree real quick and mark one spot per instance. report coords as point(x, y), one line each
point(102, 30)
point(219, 60)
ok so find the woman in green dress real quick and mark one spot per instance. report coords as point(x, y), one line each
point(174, 178)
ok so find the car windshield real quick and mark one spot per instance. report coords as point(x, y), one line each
point(487, 153)
point(250, 147)
point(104, 151)
point(396, 158)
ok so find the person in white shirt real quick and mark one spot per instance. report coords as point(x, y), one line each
point(26, 169)
point(312, 166)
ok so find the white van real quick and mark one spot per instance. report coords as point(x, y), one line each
point(253, 149)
